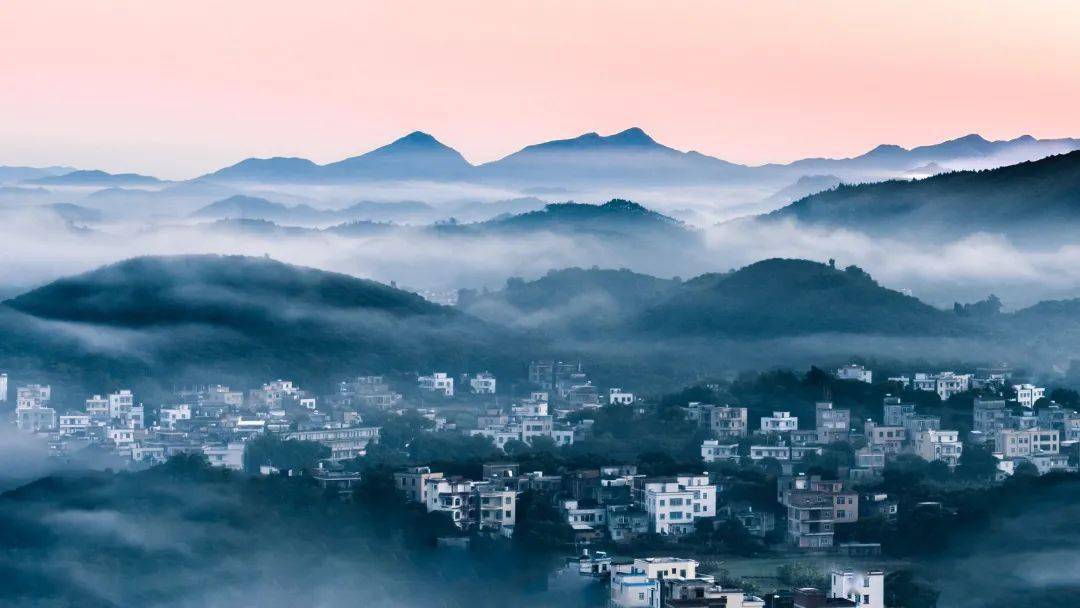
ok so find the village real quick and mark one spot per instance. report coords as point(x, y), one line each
point(623, 521)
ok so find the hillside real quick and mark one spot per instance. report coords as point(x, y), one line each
point(613, 218)
point(1015, 199)
point(777, 298)
point(237, 315)
point(583, 299)
point(95, 178)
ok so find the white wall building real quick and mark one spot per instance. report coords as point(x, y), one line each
point(673, 503)
point(3, 388)
point(482, 384)
point(779, 422)
point(865, 588)
point(1028, 394)
point(229, 456)
point(855, 372)
point(617, 396)
point(712, 450)
point(939, 445)
point(437, 382)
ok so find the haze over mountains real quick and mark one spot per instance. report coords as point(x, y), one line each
point(239, 317)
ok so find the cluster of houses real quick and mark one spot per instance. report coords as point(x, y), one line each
point(676, 582)
point(214, 420)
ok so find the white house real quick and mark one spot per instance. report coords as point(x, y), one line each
point(637, 585)
point(939, 445)
point(712, 450)
point(3, 388)
point(1028, 394)
point(673, 503)
point(855, 372)
point(229, 456)
point(865, 588)
point(73, 424)
point(617, 396)
point(437, 382)
point(779, 422)
point(482, 384)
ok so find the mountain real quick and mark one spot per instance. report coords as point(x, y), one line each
point(12, 175)
point(95, 178)
point(803, 187)
point(252, 207)
point(256, 208)
point(1023, 199)
point(416, 156)
point(616, 218)
point(968, 152)
point(629, 156)
point(75, 213)
point(579, 299)
point(783, 298)
point(243, 317)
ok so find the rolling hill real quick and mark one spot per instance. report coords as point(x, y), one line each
point(95, 178)
point(1035, 196)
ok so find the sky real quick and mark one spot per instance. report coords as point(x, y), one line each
point(179, 88)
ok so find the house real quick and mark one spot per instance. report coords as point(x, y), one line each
point(583, 395)
point(757, 523)
point(626, 523)
point(97, 407)
point(229, 456)
point(413, 482)
point(878, 504)
point(945, 384)
point(33, 395)
point(703, 593)
point(712, 450)
point(761, 452)
point(989, 416)
point(1010, 443)
point(74, 424)
point(894, 411)
point(673, 503)
point(369, 391)
point(482, 384)
point(939, 445)
point(438, 382)
point(35, 419)
point(3, 388)
point(889, 439)
point(814, 506)
point(854, 372)
point(617, 396)
point(832, 424)
point(169, 416)
point(866, 588)
point(727, 422)
point(344, 442)
point(472, 504)
point(779, 422)
point(1028, 394)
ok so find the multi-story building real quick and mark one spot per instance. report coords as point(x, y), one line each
point(864, 588)
point(74, 424)
point(625, 522)
point(1010, 443)
point(472, 503)
point(727, 422)
point(989, 416)
point(617, 396)
point(482, 383)
point(33, 395)
point(169, 416)
point(438, 382)
point(855, 372)
point(779, 422)
point(917, 423)
point(1028, 394)
point(97, 407)
point(889, 439)
point(814, 506)
point(637, 585)
point(3, 388)
point(227, 455)
point(583, 395)
point(35, 419)
point(344, 442)
point(832, 424)
point(673, 503)
point(939, 445)
point(413, 482)
point(945, 384)
point(712, 450)
point(369, 391)
point(704, 593)
point(894, 410)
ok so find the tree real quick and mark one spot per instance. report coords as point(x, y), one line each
point(903, 590)
point(976, 462)
point(269, 449)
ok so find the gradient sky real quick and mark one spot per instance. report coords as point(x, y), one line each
point(177, 88)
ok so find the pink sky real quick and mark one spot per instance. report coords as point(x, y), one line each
point(177, 88)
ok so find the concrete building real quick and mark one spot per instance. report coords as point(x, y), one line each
point(1010, 443)
point(814, 507)
point(482, 384)
point(945, 384)
point(854, 372)
point(344, 442)
point(779, 422)
point(33, 395)
point(1028, 394)
point(472, 504)
point(617, 396)
point(894, 411)
point(703, 593)
point(939, 445)
point(727, 422)
point(74, 424)
point(712, 450)
point(989, 416)
point(673, 503)
point(889, 439)
point(35, 419)
point(413, 482)
point(229, 456)
point(832, 424)
point(438, 382)
point(3, 388)
point(864, 588)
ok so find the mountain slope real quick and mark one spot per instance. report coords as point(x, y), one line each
point(614, 218)
point(95, 178)
point(778, 297)
point(627, 156)
point(414, 156)
point(1036, 194)
point(234, 316)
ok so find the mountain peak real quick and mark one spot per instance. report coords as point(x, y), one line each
point(418, 137)
point(632, 136)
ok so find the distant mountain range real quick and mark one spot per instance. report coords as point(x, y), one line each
point(95, 178)
point(1027, 199)
point(630, 157)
